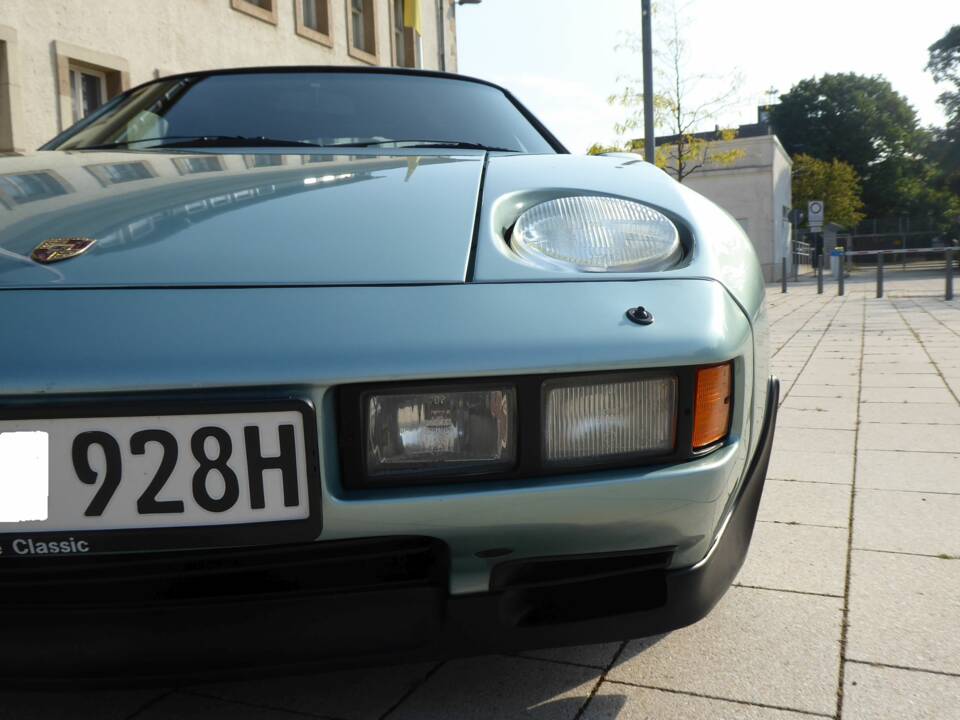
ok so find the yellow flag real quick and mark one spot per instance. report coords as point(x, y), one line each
point(411, 15)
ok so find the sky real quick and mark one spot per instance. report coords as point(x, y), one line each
point(560, 57)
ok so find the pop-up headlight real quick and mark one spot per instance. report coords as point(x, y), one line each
point(596, 234)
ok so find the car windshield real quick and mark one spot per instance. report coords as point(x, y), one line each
point(311, 108)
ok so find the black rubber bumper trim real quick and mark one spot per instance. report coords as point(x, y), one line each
point(257, 635)
point(691, 593)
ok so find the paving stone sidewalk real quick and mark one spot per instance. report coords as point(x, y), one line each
point(848, 605)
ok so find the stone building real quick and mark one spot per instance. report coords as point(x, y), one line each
point(61, 59)
point(754, 188)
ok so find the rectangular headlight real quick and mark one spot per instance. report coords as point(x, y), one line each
point(604, 419)
point(463, 431)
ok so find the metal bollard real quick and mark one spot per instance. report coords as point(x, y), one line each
point(820, 276)
point(783, 275)
point(841, 258)
point(948, 294)
point(880, 275)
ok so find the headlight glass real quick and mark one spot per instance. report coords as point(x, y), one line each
point(441, 431)
point(596, 234)
point(598, 419)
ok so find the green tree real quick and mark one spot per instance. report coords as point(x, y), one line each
point(945, 65)
point(835, 182)
point(680, 109)
point(944, 148)
point(601, 149)
point(861, 121)
point(683, 155)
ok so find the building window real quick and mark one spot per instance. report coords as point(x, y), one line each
point(194, 165)
point(6, 120)
point(11, 124)
point(87, 79)
point(315, 16)
point(88, 91)
point(115, 173)
point(33, 186)
point(262, 160)
point(404, 38)
point(313, 20)
point(265, 10)
point(362, 28)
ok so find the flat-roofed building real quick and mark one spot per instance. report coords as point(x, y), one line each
point(754, 187)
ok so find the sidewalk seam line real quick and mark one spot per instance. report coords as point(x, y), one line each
point(916, 336)
point(816, 345)
point(150, 703)
point(261, 706)
point(809, 482)
point(416, 686)
point(600, 680)
point(780, 319)
point(901, 552)
point(804, 524)
point(795, 592)
point(704, 696)
point(915, 492)
point(553, 661)
point(901, 450)
point(907, 668)
point(845, 615)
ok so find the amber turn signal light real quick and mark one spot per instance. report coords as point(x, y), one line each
point(711, 419)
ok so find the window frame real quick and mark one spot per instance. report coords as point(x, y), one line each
point(101, 171)
point(250, 160)
point(371, 26)
point(309, 33)
point(247, 7)
point(182, 164)
point(53, 175)
point(410, 40)
point(11, 116)
point(114, 69)
point(75, 74)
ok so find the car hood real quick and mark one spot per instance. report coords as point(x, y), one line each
point(197, 219)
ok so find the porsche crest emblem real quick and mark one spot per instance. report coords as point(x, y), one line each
point(61, 248)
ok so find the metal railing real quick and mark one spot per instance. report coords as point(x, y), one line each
point(844, 257)
point(803, 254)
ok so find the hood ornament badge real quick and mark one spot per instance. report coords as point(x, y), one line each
point(61, 248)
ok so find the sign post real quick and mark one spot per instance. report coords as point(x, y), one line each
point(815, 215)
point(815, 225)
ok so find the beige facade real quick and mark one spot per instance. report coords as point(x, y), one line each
point(755, 189)
point(60, 57)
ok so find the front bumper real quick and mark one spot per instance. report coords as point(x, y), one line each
point(347, 602)
point(157, 345)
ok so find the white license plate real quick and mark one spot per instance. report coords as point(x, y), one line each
point(86, 484)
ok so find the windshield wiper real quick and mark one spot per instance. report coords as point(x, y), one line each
point(183, 141)
point(451, 144)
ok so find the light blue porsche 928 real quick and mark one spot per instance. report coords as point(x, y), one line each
point(324, 366)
